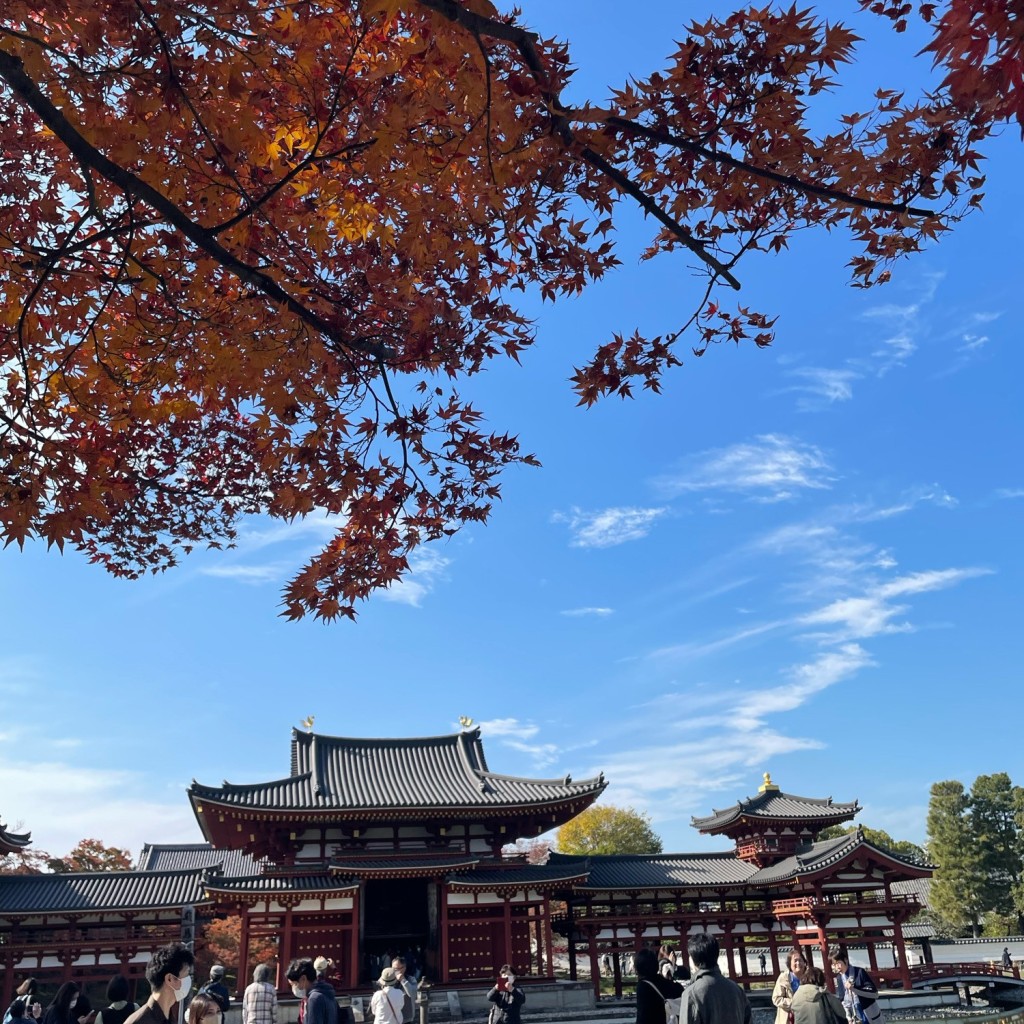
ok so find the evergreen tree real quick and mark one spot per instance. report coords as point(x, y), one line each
point(994, 803)
point(957, 888)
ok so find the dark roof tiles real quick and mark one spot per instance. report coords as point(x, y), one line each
point(11, 842)
point(663, 871)
point(188, 856)
point(344, 773)
point(99, 890)
point(775, 805)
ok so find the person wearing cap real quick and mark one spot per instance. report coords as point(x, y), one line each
point(216, 989)
point(319, 1004)
point(386, 1004)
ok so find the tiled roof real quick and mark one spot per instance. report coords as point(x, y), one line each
point(282, 883)
point(814, 857)
point(99, 890)
point(774, 805)
point(10, 842)
point(331, 772)
point(398, 866)
point(663, 871)
point(188, 856)
point(544, 875)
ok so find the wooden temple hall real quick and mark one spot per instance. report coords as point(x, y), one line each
point(369, 848)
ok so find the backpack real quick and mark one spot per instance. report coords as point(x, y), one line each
point(673, 1007)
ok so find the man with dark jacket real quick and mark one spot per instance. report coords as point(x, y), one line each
point(216, 989)
point(711, 998)
point(318, 998)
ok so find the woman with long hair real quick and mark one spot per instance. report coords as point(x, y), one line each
point(61, 1010)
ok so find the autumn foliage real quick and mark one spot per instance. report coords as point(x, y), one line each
point(220, 942)
point(249, 249)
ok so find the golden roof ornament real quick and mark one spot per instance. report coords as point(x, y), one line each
point(768, 786)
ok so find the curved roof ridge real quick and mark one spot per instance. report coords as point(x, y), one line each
point(562, 780)
point(239, 786)
point(388, 741)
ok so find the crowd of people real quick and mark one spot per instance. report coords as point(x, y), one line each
point(669, 991)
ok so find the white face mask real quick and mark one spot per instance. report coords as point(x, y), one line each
point(297, 992)
point(73, 1003)
point(183, 990)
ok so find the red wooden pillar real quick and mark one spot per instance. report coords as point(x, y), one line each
point(773, 949)
point(872, 959)
point(243, 953)
point(507, 958)
point(287, 942)
point(901, 949)
point(548, 942)
point(595, 968)
point(353, 946)
point(442, 938)
point(826, 964)
point(8, 992)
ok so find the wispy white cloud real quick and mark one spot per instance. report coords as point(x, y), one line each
point(1009, 493)
point(542, 755)
point(608, 527)
point(872, 613)
point(699, 649)
point(932, 495)
point(427, 568)
point(972, 342)
point(580, 612)
point(83, 801)
point(509, 727)
point(770, 468)
point(254, 575)
point(820, 387)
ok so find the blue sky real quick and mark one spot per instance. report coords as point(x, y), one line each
point(804, 560)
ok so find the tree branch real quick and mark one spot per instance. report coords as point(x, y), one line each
point(12, 71)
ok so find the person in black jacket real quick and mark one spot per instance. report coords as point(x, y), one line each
point(507, 997)
point(652, 989)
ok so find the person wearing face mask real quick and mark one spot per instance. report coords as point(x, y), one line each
point(507, 997)
point(62, 1009)
point(169, 973)
point(318, 999)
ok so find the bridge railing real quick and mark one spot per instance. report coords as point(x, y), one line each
point(976, 968)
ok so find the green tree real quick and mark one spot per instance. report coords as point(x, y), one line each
point(878, 837)
point(957, 889)
point(608, 829)
point(994, 805)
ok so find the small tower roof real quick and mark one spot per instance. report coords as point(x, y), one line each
point(12, 842)
point(772, 805)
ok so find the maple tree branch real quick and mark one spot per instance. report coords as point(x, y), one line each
point(12, 71)
point(826, 192)
point(651, 207)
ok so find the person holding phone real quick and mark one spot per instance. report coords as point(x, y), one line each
point(507, 997)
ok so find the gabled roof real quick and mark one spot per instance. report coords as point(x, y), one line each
point(346, 774)
point(272, 884)
point(94, 891)
point(540, 876)
point(661, 871)
point(774, 805)
point(188, 856)
point(814, 857)
point(12, 842)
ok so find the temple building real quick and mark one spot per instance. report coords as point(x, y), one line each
point(369, 848)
